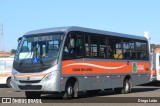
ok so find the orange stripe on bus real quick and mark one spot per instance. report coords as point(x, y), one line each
point(5, 74)
point(102, 67)
point(30, 75)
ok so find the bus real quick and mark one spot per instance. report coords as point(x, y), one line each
point(155, 66)
point(6, 70)
point(72, 59)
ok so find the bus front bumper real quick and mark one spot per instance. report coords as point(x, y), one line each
point(42, 86)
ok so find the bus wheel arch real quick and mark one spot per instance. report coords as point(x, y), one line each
point(8, 81)
point(71, 88)
point(128, 77)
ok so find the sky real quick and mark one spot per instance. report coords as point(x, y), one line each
point(123, 16)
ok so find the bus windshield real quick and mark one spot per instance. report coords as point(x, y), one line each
point(35, 48)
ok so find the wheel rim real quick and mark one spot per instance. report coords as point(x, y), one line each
point(127, 86)
point(70, 91)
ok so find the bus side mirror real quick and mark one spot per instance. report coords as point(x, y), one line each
point(19, 39)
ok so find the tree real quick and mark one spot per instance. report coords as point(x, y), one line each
point(13, 51)
point(154, 46)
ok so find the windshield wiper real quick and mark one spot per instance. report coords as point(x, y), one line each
point(20, 64)
point(41, 61)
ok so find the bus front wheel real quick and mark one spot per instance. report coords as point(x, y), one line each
point(71, 90)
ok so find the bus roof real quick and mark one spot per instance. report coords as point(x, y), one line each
point(89, 30)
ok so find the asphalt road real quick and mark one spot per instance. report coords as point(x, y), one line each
point(143, 93)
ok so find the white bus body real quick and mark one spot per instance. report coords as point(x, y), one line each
point(6, 70)
point(155, 67)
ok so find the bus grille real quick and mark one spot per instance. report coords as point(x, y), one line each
point(30, 87)
point(35, 81)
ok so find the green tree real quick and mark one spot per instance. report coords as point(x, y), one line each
point(154, 46)
point(13, 51)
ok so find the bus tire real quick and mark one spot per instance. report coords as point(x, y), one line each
point(9, 82)
point(71, 90)
point(32, 95)
point(76, 89)
point(126, 86)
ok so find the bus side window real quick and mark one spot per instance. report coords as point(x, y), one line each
point(142, 51)
point(87, 45)
point(73, 46)
point(68, 49)
point(114, 48)
point(111, 48)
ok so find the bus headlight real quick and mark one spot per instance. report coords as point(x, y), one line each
point(49, 75)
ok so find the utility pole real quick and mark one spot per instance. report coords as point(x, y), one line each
point(1, 38)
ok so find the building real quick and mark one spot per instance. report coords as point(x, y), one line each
point(157, 50)
point(5, 54)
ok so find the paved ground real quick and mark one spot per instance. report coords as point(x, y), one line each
point(150, 91)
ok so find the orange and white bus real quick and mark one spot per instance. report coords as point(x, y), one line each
point(6, 70)
point(73, 59)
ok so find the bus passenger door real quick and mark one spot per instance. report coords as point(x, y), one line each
point(72, 63)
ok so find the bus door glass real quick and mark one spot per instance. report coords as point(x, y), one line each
point(2, 65)
point(73, 46)
point(9, 64)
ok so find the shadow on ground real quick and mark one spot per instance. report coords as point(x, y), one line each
point(106, 93)
point(154, 83)
point(3, 86)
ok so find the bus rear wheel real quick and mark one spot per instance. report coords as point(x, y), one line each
point(30, 94)
point(126, 87)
